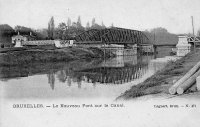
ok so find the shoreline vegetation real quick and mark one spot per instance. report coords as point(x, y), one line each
point(31, 55)
point(161, 81)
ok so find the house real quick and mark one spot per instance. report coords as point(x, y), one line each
point(18, 39)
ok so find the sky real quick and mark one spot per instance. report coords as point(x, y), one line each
point(174, 15)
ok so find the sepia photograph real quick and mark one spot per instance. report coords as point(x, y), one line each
point(99, 63)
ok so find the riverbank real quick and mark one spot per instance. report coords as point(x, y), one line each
point(30, 55)
point(159, 83)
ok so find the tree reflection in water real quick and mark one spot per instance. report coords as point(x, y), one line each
point(113, 71)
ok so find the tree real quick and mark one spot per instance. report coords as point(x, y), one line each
point(87, 26)
point(102, 24)
point(96, 26)
point(79, 21)
point(62, 26)
point(159, 30)
point(112, 25)
point(73, 30)
point(23, 30)
point(60, 32)
point(69, 23)
point(6, 32)
point(41, 34)
point(51, 27)
point(161, 36)
point(74, 24)
point(93, 22)
point(80, 28)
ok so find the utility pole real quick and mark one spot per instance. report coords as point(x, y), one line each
point(192, 25)
point(193, 33)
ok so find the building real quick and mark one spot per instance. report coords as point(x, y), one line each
point(30, 40)
point(18, 39)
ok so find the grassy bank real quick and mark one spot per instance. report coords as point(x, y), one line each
point(163, 79)
point(50, 55)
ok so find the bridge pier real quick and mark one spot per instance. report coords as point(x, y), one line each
point(183, 47)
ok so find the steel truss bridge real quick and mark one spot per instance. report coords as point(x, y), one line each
point(112, 35)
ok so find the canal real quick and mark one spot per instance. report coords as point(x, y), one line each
point(81, 79)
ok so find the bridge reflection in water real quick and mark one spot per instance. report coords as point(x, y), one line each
point(113, 71)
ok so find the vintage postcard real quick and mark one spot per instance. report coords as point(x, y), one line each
point(99, 63)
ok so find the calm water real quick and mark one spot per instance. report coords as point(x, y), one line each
point(77, 79)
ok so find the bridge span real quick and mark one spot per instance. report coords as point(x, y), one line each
point(112, 35)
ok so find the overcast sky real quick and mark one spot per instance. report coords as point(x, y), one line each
point(174, 15)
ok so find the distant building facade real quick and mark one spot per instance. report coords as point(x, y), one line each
point(18, 39)
point(30, 40)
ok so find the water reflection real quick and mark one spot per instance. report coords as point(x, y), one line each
point(81, 78)
point(117, 70)
point(51, 79)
